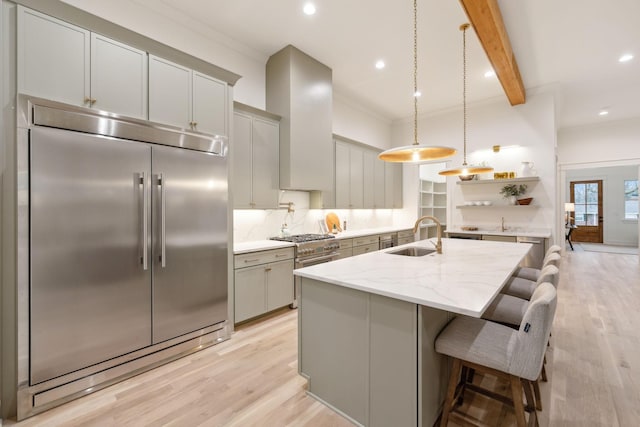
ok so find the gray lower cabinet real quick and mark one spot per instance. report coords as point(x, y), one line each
point(346, 248)
point(497, 238)
point(365, 244)
point(263, 281)
point(405, 236)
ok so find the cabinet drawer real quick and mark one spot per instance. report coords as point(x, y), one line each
point(403, 234)
point(345, 243)
point(262, 257)
point(405, 240)
point(372, 247)
point(345, 253)
point(365, 240)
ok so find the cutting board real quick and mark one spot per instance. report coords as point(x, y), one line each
point(332, 219)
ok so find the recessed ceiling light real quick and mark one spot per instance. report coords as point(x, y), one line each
point(603, 113)
point(380, 64)
point(625, 58)
point(309, 9)
point(417, 94)
point(490, 73)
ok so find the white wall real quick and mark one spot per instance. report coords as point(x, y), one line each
point(355, 122)
point(602, 142)
point(530, 126)
point(616, 230)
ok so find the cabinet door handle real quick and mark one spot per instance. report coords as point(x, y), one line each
point(251, 260)
point(280, 255)
point(93, 101)
point(87, 100)
point(267, 269)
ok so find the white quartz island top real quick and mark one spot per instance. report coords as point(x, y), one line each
point(464, 279)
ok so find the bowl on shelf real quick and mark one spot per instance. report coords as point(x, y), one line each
point(525, 201)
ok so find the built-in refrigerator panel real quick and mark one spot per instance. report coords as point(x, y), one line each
point(190, 241)
point(90, 291)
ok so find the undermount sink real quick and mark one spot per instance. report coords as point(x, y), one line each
point(412, 251)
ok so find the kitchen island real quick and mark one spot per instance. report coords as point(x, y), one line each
point(367, 325)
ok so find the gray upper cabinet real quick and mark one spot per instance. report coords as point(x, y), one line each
point(255, 161)
point(379, 168)
point(66, 63)
point(185, 98)
point(349, 176)
point(393, 185)
point(118, 77)
point(373, 180)
point(364, 181)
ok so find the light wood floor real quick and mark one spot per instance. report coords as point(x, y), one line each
point(251, 380)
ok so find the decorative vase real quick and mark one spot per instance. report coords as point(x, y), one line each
point(512, 200)
point(527, 169)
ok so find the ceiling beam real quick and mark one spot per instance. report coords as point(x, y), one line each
point(486, 20)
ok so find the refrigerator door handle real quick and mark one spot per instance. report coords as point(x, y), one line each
point(145, 215)
point(163, 215)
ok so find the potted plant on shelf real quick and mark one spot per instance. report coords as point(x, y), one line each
point(512, 191)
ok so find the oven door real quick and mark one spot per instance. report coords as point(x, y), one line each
point(308, 262)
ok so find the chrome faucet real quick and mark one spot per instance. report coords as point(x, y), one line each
point(438, 226)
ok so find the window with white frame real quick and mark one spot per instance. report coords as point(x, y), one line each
point(631, 199)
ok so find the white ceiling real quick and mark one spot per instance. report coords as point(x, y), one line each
point(568, 46)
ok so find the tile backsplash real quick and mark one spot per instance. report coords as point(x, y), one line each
point(258, 224)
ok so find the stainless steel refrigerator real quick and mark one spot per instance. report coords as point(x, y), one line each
point(128, 240)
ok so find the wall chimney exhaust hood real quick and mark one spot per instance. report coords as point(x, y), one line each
point(299, 89)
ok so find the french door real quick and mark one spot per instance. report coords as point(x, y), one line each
point(587, 197)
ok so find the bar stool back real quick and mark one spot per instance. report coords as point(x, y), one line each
point(488, 347)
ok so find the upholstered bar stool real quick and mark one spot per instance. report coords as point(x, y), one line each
point(523, 288)
point(489, 347)
point(530, 273)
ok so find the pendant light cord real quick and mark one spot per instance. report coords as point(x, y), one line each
point(464, 27)
point(415, 72)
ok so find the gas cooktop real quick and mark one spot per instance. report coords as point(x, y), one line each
point(301, 238)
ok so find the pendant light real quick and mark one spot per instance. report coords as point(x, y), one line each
point(465, 171)
point(416, 152)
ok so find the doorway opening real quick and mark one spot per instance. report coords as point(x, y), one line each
point(587, 198)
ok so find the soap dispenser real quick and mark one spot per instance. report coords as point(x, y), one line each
point(284, 231)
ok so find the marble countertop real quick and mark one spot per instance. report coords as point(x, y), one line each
point(510, 231)
point(464, 279)
point(266, 244)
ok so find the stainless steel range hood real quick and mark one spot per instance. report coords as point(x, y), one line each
point(299, 89)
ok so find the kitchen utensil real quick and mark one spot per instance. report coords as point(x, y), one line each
point(332, 220)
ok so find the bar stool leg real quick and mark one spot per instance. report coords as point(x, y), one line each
point(518, 406)
point(451, 391)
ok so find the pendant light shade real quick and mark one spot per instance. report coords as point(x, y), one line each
point(416, 152)
point(465, 170)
